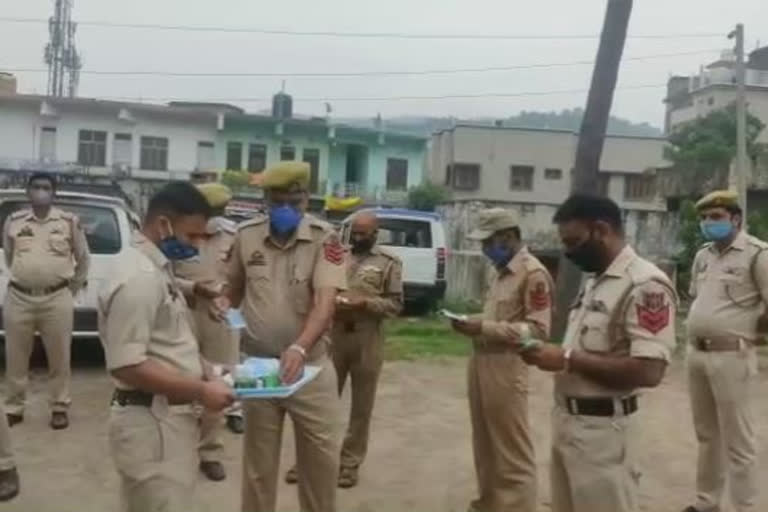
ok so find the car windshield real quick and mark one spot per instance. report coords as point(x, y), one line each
point(405, 233)
point(99, 224)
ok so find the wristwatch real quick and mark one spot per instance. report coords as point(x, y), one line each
point(298, 348)
point(567, 360)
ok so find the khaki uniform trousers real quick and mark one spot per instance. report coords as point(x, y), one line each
point(357, 355)
point(592, 466)
point(218, 345)
point(721, 385)
point(315, 411)
point(154, 452)
point(501, 439)
point(52, 316)
point(6, 450)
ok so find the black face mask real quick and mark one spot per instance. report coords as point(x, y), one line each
point(588, 256)
point(362, 245)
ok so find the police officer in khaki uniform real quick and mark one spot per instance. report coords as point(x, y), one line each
point(286, 269)
point(620, 335)
point(202, 278)
point(729, 281)
point(47, 254)
point(519, 300)
point(375, 293)
point(9, 476)
point(154, 358)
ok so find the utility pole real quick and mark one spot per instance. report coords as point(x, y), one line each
point(742, 164)
point(592, 138)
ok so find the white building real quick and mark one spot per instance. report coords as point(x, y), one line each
point(714, 87)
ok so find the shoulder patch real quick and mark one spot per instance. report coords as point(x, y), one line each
point(333, 251)
point(653, 311)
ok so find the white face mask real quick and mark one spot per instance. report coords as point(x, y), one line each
point(40, 197)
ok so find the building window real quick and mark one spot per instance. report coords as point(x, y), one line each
point(640, 187)
point(234, 156)
point(48, 143)
point(122, 149)
point(521, 177)
point(397, 174)
point(287, 153)
point(466, 176)
point(92, 148)
point(257, 157)
point(553, 174)
point(312, 157)
point(206, 155)
point(154, 153)
point(448, 175)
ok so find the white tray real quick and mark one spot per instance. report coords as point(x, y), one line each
point(310, 372)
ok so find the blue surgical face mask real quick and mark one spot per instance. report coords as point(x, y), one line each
point(499, 255)
point(716, 230)
point(176, 250)
point(284, 219)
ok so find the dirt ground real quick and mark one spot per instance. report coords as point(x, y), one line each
point(420, 457)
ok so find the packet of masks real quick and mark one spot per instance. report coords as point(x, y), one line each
point(235, 319)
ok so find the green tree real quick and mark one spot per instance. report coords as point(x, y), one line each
point(703, 150)
point(427, 196)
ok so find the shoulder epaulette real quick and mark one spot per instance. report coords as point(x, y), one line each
point(256, 221)
point(386, 253)
point(19, 214)
point(756, 242)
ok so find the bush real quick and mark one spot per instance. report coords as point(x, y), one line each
point(427, 196)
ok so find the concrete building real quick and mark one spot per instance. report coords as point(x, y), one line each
point(714, 87)
point(533, 166)
point(144, 145)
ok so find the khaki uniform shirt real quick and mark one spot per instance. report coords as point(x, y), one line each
point(143, 314)
point(521, 292)
point(629, 310)
point(278, 283)
point(46, 252)
point(730, 289)
point(210, 266)
point(377, 276)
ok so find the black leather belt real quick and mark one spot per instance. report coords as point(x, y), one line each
point(38, 291)
point(719, 344)
point(349, 326)
point(600, 406)
point(123, 397)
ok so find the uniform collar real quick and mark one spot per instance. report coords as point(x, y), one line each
point(53, 214)
point(303, 232)
point(739, 243)
point(619, 265)
point(146, 246)
point(516, 260)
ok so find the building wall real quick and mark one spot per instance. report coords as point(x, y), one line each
point(497, 149)
point(20, 132)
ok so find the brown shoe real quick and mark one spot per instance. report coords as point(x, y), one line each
point(9, 484)
point(347, 477)
point(213, 470)
point(291, 477)
point(59, 420)
point(14, 419)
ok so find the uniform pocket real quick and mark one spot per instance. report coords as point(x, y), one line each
point(59, 245)
point(593, 335)
point(301, 290)
point(136, 439)
point(23, 243)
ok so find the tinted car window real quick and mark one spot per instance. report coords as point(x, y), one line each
point(99, 224)
point(405, 233)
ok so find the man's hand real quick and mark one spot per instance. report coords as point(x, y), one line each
point(547, 357)
point(216, 395)
point(207, 291)
point(350, 301)
point(291, 366)
point(470, 327)
point(218, 308)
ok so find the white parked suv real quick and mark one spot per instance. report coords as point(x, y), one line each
point(108, 224)
point(418, 238)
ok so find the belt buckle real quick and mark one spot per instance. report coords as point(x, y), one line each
point(572, 405)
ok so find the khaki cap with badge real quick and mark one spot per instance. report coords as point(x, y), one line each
point(285, 174)
point(217, 194)
point(718, 199)
point(493, 220)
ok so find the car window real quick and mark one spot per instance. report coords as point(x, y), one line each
point(99, 224)
point(405, 233)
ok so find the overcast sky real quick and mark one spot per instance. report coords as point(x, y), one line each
point(21, 45)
